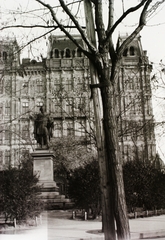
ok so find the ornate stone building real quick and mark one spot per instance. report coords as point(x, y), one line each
point(136, 121)
point(61, 83)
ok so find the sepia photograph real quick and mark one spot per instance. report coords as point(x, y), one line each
point(82, 119)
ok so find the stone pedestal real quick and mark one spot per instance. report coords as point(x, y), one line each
point(43, 167)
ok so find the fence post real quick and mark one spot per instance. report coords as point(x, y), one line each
point(85, 216)
point(36, 221)
point(15, 223)
point(141, 235)
point(73, 215)
point(40, 219)
point(135, 214)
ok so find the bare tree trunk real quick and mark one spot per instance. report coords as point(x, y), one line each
point(106, 197)
point(113, 198)
point(114, 164)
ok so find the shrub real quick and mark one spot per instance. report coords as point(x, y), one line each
point(84, 187)
point(19, 193)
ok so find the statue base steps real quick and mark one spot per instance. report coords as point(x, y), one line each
point(43, 168)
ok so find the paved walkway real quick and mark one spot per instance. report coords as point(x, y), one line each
point(55, 228)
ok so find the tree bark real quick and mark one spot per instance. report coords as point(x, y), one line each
point(114, 164)
point(112, 187)
point(107, 210)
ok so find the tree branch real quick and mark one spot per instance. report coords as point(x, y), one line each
point(99, 21)
point(79, 28)
point(62, 28)
point(111, 29)
point(110, 24)
point(36, 38)
point(142, 23)
point(39, 26)
point(111, 15)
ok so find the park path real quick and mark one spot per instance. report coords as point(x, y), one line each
point(55, 227)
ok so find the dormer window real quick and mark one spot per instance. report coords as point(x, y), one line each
point(132, 51)
point(67, 53)
point(73, 53)
point(56, 53)
point(62, 54)
point(79, 53)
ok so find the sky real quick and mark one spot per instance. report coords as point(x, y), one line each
point(152, 37)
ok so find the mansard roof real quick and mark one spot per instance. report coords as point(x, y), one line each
point(62, 42)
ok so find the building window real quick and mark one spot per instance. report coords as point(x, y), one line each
point(67, 53)
point(80, 84)
point(15, 133)
point(148, 104)
point(58, 129)
point(1, 134)
point(7, 136)
point(7, 158)
point(79, 53)
point(132, 51)
point(70, 129)
point(39, 86)
point(73, 53)
point(56, 53)
point(39, 104)
point(1, 109)
point(25, 88)
point(57, 88)
point(68, 85)
point(4, 55)
point(7, 108)
point(25, 132)
point(138, 105)
point(1, 86)
point(62, 54)
point(82, 104)
point(57, 108)
point(25, 107)
point(69, 105)
point(80, 130)
point(7, 86)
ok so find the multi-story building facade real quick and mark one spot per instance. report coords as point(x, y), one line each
point(136, 120)
point(61, 83)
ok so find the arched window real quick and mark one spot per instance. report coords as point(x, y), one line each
point(67, 53)
point(33, 61)
point(79, 53)
point(62, 54)
point(4, 55)
point(73, 53)
point(125, 52)
point(132, 51)
point(56, 53)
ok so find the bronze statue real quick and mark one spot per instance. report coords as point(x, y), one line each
point(43, 126)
